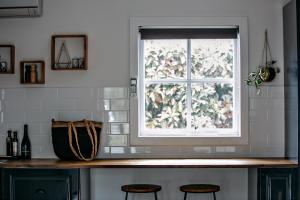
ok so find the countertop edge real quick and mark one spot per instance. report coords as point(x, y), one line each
point(152, 163)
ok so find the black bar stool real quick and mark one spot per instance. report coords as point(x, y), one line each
point(141, 188)
point(199, 188)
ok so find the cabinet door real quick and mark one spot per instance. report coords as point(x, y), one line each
point(277, 184)
point(40, 184)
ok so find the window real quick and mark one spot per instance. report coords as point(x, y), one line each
point(189, 85)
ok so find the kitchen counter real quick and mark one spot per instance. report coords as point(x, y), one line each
point(152, 163)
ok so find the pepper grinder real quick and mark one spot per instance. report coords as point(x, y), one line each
point(33, 74)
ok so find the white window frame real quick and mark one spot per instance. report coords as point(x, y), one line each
point(240, 137)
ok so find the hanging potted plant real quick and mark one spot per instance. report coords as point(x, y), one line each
point(266, 72)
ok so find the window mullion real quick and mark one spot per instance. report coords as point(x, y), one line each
point(189, 85)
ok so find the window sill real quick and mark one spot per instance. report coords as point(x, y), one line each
point(188, 141)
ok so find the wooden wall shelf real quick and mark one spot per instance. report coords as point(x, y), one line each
point(7, 59)
point(69, 52)
point(154, 163)
point(40, 72)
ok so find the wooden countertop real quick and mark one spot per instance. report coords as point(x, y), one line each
point(153, 163)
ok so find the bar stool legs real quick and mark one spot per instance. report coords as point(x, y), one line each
point(155, 195)
point(126, 197)
point(185, 196)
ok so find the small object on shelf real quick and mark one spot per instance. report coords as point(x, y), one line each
point(26, 145)
point(78, 63)
point(27, 73)
point(32, 72)
point(75, 62)
point(61, 57)
point(266, 72)
point(81, 63)
point(15, 145)
point(9, 143)
point(3, 65)
point(7, 59)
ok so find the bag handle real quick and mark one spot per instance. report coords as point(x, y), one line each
point(92, 135)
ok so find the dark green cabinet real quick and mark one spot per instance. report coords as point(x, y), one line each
point(277, 184)
point(39, 184)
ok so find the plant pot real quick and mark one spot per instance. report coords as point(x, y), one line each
point(267, 74)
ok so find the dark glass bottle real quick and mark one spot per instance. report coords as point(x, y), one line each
point(27, 73)
point(9, 148)
point(25, 145)
point(15, 145)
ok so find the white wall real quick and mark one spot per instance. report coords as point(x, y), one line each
point(106, 22)
point(233, 183)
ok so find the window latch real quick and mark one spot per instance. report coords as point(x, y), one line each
point(133, 87)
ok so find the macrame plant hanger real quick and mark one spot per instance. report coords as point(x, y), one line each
point(266, 51)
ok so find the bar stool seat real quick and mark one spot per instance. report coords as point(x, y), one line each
point(199, 188)
point(141, 188)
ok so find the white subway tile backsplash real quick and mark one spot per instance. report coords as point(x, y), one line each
point(74, 115)
point(253, 92)
point(137, 150)
point(202, 149)
point(276, 92)
point(34, 128)
point(37, 106)
point(40, 93)
point(100, 93)
point(117, 150)
point(225, 149)
point(1, 117)
point(117, 140)
point(67, 104)
point(3, 129)
point(75, 93)
point(106, 149)
point(106, 104)
point(13, 105)
point(13, 116)
point(15, 127)
point(117, 116)
point(2, 94)
point(115, 92)
point(119, 104)
point(39, 116)
point(2, 144)
point(119, 128)
point(100, 105)
point(14, 94)
point(86, 104)
point(260, 104)
point(45, 128)
point(98, 116)
point(257, 115)
point(51, 103)
point(277, 104)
